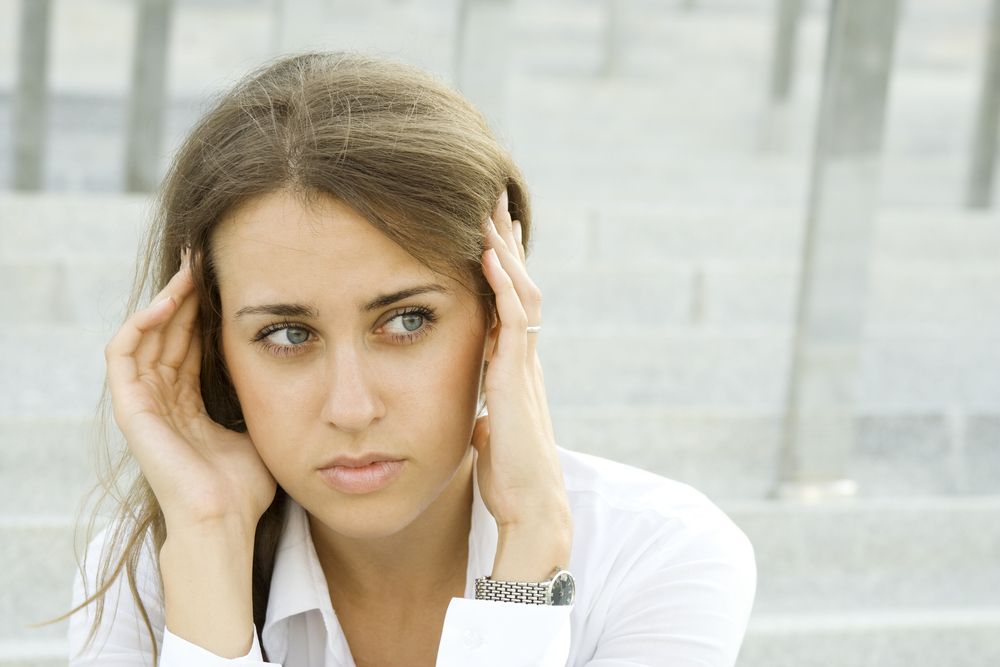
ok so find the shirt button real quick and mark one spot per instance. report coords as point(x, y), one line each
point(473, 639)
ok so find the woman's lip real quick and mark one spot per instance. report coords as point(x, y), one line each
point(364, 479)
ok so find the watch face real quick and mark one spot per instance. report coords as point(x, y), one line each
point(563, 589)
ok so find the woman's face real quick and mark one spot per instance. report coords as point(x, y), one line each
point(322, 369)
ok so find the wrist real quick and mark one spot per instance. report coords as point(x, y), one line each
point(207, 587)
point(529, 553)
point(537, 516)
point(222, 535)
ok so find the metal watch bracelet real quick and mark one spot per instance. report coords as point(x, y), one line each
point(558, 590)
point(511, 591)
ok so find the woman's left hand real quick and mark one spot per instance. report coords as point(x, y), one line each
point(520, 477)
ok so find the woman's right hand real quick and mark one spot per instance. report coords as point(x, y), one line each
point(200, 471)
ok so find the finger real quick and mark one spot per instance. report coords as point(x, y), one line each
point(501, 218)
point(520, 241)
point(119, 353)
point(127, 338)
point(527, 291)
point(169, 288)
point(150, 348)
point(492, 234)
point(179, 332)
point(512, 341)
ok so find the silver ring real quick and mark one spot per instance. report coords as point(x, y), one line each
point(535, 329)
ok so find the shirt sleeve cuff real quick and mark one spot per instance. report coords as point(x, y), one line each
point(488, 633)
point(178, 652)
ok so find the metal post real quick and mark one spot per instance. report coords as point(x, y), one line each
point(614, 37)
point(482, 56)
point(773, 132)
point(30, 111)
point(984, 144)
point(783, 50)
point(819, 426)
point(148, 95)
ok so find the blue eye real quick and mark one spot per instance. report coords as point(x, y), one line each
point(295, 334)
point(416, 323)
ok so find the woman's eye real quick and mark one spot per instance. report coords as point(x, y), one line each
point(282, 340)
point(409, 322)
point(413, 324)
point(293, 335)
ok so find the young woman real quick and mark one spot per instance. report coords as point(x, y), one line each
point(345, 455)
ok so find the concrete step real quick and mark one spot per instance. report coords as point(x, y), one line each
point(578, 122)
point(82, 226)
point(874, 553)
point(37, 566)
point(34, 653)
point(911, 182)
point(568, 230)
point(879, 638)
point(47, 464)
point(637, 233)
point(56, 371)
point(91, 293)
point(733, 454)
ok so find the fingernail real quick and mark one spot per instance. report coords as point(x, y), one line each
point(517, 230)
point(503, 200)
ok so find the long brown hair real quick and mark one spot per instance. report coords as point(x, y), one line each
point(390, 140)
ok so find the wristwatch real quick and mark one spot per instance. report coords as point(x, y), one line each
point(559, 589)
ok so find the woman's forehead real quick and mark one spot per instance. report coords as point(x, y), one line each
point(274, 248)
point(277, 232)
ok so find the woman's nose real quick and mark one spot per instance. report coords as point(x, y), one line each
point(351, 401)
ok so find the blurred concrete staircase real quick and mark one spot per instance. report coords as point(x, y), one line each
point(667, 248)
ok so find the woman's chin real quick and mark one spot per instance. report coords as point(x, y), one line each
point(364, 521)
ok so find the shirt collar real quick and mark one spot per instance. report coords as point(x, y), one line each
point(298, 584)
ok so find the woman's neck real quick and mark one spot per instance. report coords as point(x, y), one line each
point(425, 561)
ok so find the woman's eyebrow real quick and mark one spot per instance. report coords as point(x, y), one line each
point(308, 312)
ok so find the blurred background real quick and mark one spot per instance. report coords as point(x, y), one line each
point(766, 233)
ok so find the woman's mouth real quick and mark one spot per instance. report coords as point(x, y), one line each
point(363, 479)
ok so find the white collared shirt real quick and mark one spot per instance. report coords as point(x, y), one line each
point(663, 577)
